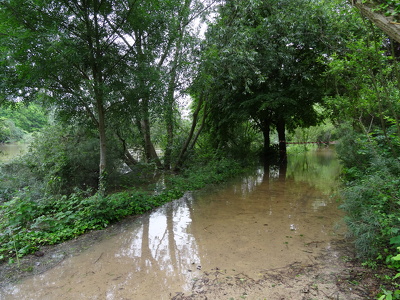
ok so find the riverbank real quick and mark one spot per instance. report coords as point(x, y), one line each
point(29, 224)
point(266, 235)
point(333, 274)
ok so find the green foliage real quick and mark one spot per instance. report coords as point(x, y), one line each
point(388, 7)
point(29, 118)
point(366, 81)
point(320, 134)
point(18, 120)
point(371, 195)
point(9, 132)
point(28, 221)
point(392, 281)
point(60, 159)
point(265, 66)
point(371, 199)
point(241, 141)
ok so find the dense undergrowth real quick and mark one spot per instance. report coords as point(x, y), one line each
point(371, 199)
point(28, 221)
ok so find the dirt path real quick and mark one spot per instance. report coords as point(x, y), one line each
point(333, 274)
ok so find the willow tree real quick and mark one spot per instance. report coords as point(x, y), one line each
point(70, 53)
point(266, 59)
point(169, 54)
point(101, 60)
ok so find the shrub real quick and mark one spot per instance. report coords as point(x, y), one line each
point(371, 195)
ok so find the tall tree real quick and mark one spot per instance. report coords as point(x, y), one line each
point(266, 59)
point(112, 62)
point(70, 52)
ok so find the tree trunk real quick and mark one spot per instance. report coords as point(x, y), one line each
point(103, 151)
point(129, 160)
point(170, 99)
point(149, 150)
point(169, 107)
point(386, 23)
point(265, 129)
point(93, 40)
point(169, 119)
point(190, 138)
point(280, 128)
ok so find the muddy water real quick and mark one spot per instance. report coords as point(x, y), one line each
point(262, 221)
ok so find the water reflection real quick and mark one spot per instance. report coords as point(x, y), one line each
point(263, 220)
point(163, 240)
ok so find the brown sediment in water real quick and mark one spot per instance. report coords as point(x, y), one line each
point(263, 236)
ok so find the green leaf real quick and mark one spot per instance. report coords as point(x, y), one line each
point(395, 240)
point(397, 257)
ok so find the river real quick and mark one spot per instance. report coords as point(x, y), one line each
point(217, 243)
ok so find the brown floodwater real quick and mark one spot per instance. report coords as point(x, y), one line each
point(261, 221)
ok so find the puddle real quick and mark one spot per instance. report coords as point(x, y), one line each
point(263, 221)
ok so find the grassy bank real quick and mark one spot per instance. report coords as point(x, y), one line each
point(27, 224)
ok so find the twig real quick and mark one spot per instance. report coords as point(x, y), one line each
point(98, 258)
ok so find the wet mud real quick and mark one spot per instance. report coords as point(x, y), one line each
point(274, 234)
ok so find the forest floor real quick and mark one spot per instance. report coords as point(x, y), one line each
point(335, 274)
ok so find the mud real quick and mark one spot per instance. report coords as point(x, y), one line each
point(269, 235)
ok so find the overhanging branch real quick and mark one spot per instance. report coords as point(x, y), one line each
point(386, 23)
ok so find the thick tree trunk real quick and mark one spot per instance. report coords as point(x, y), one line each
point(150, 151)
point(93, 40)
point(266, 129)
point(282, 171)
point(280, 128)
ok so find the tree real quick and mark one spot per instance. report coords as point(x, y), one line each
point(67, 51)
point(106, 61)
point(266, 59)
point(175, 66)
point(29, 118)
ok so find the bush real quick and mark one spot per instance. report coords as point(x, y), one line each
point(60, 159)
point(371, 196)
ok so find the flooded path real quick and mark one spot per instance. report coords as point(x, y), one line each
point(209, 243)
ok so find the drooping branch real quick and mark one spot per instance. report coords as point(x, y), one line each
point(386, 23)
